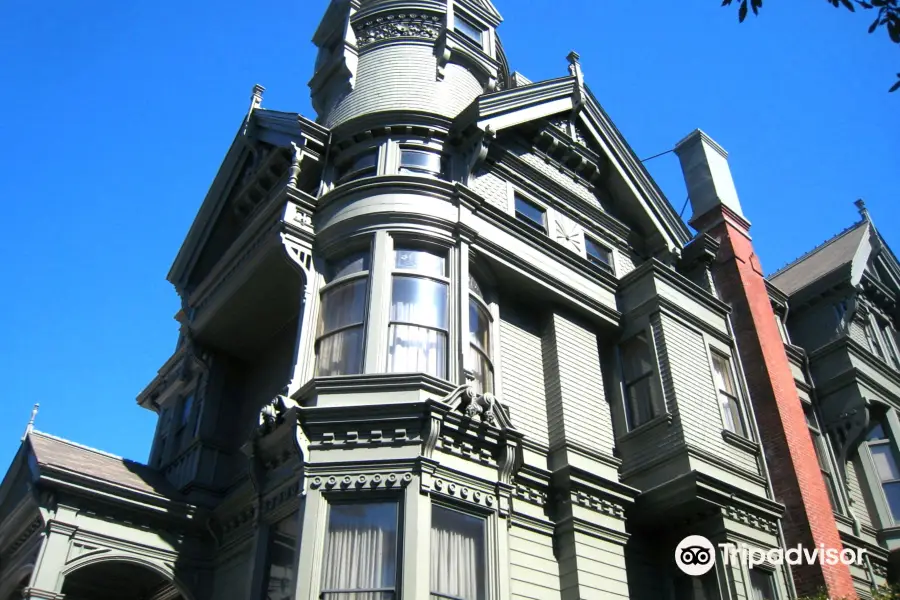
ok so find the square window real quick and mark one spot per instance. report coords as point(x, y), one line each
point(468, 29)
point(531, 214)
point(361, 549)
point(598, 254)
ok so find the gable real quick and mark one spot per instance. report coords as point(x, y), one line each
point(266, 147)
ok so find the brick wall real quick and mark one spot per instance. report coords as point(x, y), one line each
point(793, 466)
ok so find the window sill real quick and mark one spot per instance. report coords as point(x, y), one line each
point(651, 424)
point(740, 442)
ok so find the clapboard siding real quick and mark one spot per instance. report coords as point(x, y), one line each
point(533, 571)
point(523, 371)
point(592, 568)
point(402, 77)
point(854, 488)
point(695, 394)
point(492, 188)
point(576, 403)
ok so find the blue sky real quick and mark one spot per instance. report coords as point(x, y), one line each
point(119, 114)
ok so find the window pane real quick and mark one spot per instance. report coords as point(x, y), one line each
point(467, 29)
point(722, 372)
point(481, 368)
point(421, 160)
point(282, 542)
point(732, 414)
point(597, 254)
point(340, 353)
point(360, 550)
point(762, 584)
point(892, 493)
point(474, 287)
point(366, 160)
point(479, 327)
point(419, 301)
point(636, 357)
point(876, 433)
point(352, 263)
point(414, 349)
point(457, 555)
point(186, 408)
point(885, 463)
point(642, 403)
point(529, 213)
point(423, 261)
point(343, 305)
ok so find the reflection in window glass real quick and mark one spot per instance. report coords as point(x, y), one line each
point(457, 555)
point(598, 254)
point(886, 468)
point(342, 319)
point(418, 329)
point(725, 388)
point(280, 582)
point(362, 165)
point(641, 398)
point(421, 162)
point(531, 214)
point(423, 261)
point(468, 29)
point(479, 357)
point(360, 561)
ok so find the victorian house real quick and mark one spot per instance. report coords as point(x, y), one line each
point(449, 340)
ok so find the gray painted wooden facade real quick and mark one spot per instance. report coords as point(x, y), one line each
point(253, 448)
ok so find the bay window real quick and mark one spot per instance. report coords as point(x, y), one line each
point(641, 396)
point(727, 394)
point(886, 468)
point(341, 332)
point(479, 355)
point(361, 551)
point(417, 332)
point(457, 555)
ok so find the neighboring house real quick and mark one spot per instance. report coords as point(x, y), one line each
point(837, 312)
point(450, 341)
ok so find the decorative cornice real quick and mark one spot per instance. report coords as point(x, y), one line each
point(756, 521)
point(386, 27)
point(678, 281)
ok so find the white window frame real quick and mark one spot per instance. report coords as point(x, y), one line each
point(661, 408)
point(739, 397)
point(531, 199)
point(487, 39)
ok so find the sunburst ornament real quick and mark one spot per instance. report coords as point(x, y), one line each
point(568, 233)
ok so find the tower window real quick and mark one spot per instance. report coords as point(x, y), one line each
point(468, 29)
point(480, 339)
point(598, 254)
point(343, 315)
point(421, 162)
point(362, 165)
point(417, 336)
point(531, 214)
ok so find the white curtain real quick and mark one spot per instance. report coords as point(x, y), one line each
point(457, 555)
point(360, 552)
point(341, 353)
point(417, 341)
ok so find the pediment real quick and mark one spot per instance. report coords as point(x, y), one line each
point(270, 147)
point(571, 127)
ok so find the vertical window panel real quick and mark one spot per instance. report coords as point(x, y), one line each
point(762, 585)
point(361, 550)
point(457, 555)
point(480, 350)
point(641, 395)
point(342, 317)
point(727, 394)
point(530, 214)
point(280, 583)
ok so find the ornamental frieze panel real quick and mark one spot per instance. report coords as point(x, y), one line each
point(745, 517)
point(402, 25)
point(530, 494)
point(591, 501)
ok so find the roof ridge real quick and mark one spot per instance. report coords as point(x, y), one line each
point(815, 249)
point(84, 447)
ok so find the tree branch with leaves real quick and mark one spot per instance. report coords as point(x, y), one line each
point(888, 16)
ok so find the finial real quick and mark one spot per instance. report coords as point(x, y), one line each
point(861, 206)
point(575, 67)
point(256, 100)
point(30, 427)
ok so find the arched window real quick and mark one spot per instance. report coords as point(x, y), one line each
point(480, 343)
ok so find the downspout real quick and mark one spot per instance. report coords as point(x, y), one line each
point(792, 590)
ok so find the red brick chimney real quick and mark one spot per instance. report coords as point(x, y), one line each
point(793, 467)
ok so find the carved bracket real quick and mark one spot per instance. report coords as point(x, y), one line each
point(299, 253)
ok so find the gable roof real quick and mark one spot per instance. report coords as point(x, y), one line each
point(273, 127)
point(58, 456)
point(834, 254)
point(526, 104)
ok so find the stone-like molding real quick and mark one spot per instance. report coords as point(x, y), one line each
point(361, 481)
point(271, 502)
point(21, 539)
point(412, 25)
point(745, 517)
